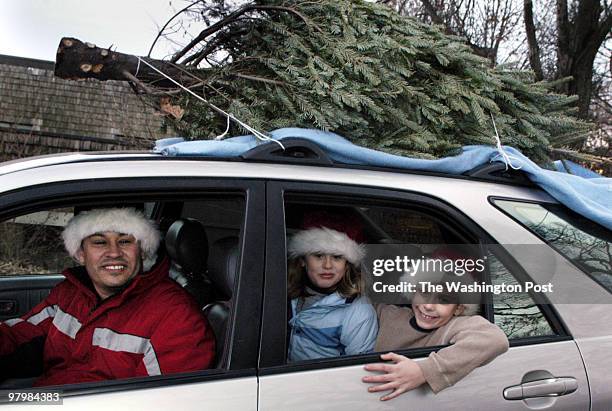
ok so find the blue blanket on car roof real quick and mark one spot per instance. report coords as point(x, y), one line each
point(591, 198)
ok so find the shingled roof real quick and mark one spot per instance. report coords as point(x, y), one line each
point(42, 114)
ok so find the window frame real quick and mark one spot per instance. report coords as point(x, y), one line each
point(575, 264)
point(274, 318)
point(243, 335)
point(550, 314)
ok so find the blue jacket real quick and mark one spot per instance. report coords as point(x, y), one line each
point(332, 327)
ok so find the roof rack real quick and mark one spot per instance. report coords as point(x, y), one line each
point(302, 151)
point(499, 173)
point(297, 151)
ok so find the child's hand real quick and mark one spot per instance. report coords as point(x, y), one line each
point(401, 376)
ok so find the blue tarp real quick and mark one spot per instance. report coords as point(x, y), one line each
point(569, 167)
point(591, 198)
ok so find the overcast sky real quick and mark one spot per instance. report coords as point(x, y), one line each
point(33, 28)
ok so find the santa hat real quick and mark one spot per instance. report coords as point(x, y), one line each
point(120, 220)
point(329, 233)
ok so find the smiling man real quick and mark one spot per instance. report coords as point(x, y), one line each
point(118, 315)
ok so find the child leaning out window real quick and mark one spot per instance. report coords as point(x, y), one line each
point(433, 319)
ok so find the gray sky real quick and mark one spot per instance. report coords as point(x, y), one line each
point(33, 28)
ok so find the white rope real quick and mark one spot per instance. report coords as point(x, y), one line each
point(220, 136)
point(261, 136)
point(506, 158)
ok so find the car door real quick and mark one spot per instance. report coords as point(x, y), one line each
point(229, 208)
point(18, 295)
point(542, 349)
point(584, 292)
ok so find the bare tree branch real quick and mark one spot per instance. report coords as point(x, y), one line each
point(160, 33)
point(605, 26)
point(197, 57)
point(230, 18)
point(432, 13)
point(260, 79)
point(139, 83)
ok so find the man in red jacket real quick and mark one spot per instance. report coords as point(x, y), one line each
point(115, 316)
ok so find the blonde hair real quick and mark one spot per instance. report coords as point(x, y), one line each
point(350, 285)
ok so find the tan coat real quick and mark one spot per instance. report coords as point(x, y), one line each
point(474, 342)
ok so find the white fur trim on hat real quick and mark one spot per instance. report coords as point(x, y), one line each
point(327, 241)
point(120, 220)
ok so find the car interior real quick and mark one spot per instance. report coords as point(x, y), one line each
point(202, 238)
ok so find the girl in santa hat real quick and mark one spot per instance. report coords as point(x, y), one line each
point(329, 316)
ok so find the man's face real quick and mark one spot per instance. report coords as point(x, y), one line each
point(112, 259)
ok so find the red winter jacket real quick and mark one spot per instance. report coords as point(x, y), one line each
point(153, 327)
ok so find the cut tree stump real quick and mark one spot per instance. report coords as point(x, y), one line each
point(76, 60)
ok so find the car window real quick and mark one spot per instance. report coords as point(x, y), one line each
point(29, 243)
point(420, 233)
point(388, 230)
point(586, 244)
point(200, 258)
point(515, 313)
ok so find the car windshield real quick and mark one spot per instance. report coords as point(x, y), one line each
point(585, 243)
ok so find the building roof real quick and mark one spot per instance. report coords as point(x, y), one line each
point(40, 113)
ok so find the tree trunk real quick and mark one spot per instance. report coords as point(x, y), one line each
point(582, 80)
point(77, 60)
point(578, 41)
point(534, 49)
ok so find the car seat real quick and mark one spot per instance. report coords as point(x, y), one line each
point(222, 271)
point(187, 246)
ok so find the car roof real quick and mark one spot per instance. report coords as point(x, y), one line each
point(95, 165)
point(66, 158)
point(493, 172)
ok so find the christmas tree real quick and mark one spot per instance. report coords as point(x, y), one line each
point(359, 69)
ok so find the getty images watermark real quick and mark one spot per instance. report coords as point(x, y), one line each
point(430, 268)
point(472, 273)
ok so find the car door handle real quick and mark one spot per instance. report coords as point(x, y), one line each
point(548, 387)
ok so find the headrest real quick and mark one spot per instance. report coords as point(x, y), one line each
point(187, 245)
point(223, 265)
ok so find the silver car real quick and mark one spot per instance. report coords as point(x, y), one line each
point(560, 353)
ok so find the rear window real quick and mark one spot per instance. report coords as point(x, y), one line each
point(585, 243)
